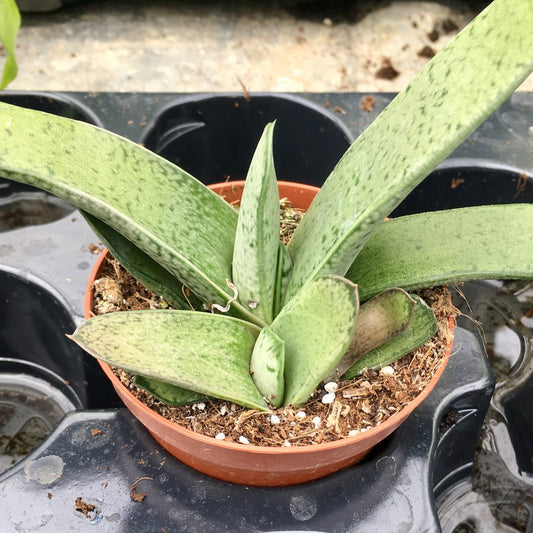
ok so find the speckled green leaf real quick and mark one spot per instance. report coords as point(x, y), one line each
point(267, 364)
point(202, 352)
point(317, 326)
point(163, 210)
point(139, 264)
point(429, 249)
point(421, 328)
point(458, 89)
point(379, 320)
point(256, 241)
point(9, 27)
point(170, 394)
point(283, 270)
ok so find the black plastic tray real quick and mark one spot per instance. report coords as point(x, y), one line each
point(45, 257)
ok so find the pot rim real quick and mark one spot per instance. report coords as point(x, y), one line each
point(219, 188)
point(395, 420)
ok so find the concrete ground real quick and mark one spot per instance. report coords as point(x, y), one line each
point(225, 45)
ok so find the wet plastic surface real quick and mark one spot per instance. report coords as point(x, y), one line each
point(98, 453)
point(33, 400)
point(499, 496)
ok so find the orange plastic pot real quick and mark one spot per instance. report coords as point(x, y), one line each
point(248, 464)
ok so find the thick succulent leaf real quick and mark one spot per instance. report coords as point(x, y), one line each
point(421, 328)
point(458, 89)
point(139, 264)
point(317, 326)
point(283, 270)
point(202, 352)
point(170, 394)
point(9, 27)
point(267, 365)
point(378, 321)
point(256, 241)
point(441, 247)
point(164, 211)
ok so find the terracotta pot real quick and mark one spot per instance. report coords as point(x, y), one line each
point(248, 464)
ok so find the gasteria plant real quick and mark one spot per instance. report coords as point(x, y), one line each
point(284, 318)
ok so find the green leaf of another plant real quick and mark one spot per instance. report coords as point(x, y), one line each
point(458, 89)
point(202, 352)
point(421, 328)
point(317, 326)
point(267, 365)
point(182, 225)
point(170, 394)
point(256, 240)
point(9, 27)
point(379, 320)
point(443, 247)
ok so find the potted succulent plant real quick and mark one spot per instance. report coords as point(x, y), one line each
point(282, 319)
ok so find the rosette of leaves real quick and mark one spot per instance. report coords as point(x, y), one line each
point(335, 298)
